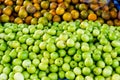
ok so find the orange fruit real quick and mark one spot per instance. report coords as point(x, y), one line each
point(53, 12)
point(117, 22)
point(34, 21)
point(59, 1)
point(56, 18)
point(37, 14)
point(60, 10)
point(105, 8)
point(106, 15)
point(26, 2)
point(75, 14)
point(22, 12)
point(67, 16)
point(17, 8)
point(37, 6)
point(18, 20)
point(7, 10)
point(113, 14)
point(94, 6)
point(65, 5)
point(19, 2)
point(4, 18)
point(45, 4)
point(28, 19)
point(8, 2)
point(110, 22)
point(36, 1)
point(53, 5)
point(92, 16)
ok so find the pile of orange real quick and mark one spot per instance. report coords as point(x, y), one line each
point(29, 11)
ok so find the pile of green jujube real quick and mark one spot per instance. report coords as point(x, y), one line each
point(55, 51)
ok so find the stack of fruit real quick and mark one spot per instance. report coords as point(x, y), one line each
point(73, 51)
point(59, 40)
point(30, 11)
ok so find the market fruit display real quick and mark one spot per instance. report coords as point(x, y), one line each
point(30, 11)
point(72, 50)
point(59, 40)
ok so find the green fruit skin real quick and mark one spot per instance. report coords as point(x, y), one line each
point(107, 71)
point(70, 75)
